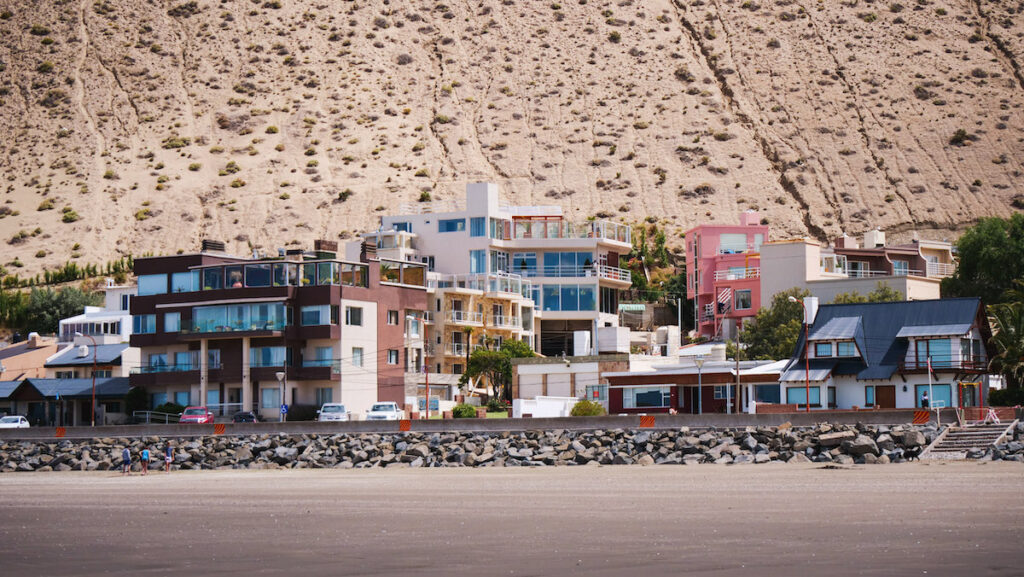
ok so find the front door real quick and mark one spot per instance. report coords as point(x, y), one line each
point(885, 396)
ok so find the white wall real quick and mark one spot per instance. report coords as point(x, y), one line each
point(358, 386)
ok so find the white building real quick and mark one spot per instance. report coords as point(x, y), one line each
point(500, 271)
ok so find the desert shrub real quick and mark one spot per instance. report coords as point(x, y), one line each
point(404, 59)
point(464, 411)
point(587, 408)
point(960, 137)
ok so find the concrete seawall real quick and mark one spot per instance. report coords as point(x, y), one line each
point(658, 421)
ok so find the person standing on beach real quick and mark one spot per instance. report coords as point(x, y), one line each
point(168, 457)
point(126, 461)
point(145, 460)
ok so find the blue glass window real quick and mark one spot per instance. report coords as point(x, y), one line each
point(478, 226)
point(451, 225)
point(477, 261)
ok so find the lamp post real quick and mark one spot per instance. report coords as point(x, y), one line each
point(807, 358)
point(280, 379)
point(699, 361)
point(77, 334)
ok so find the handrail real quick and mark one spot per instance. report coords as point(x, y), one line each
point(745, 273)
point(165, 417)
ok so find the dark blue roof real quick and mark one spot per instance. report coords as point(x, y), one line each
point(105, 355)
point(882, 350)
point(7, 388)
point(80, 388)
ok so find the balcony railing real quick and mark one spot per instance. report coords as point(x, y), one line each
point(940, 270)
point(546, 229)
point(334, 364)
point(506, 322)
point(738, 248)
point(738, 274)
point(464, 317)
point(494, 282)
point(971, 364)
point(204, 327)
point(456, 349)
point(163, 368)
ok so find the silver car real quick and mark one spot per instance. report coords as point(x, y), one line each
point(333, 412)
point(13, 422)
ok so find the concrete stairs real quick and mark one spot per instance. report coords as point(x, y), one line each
point(954, 442)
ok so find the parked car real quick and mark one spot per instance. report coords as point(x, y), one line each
point(14, 422)
point(196, 415)
point(388, 411)
point(333, 412)
point(245, 417)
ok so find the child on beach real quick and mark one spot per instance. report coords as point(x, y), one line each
point(126, 461)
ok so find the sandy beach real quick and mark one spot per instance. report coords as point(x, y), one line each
point(917, 519)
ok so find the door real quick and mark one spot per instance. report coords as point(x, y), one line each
point(885, 396)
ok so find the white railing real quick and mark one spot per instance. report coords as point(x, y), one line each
point(614, 273)
point(456, 349)
point(738, 248)
point(744, 273)
point(494, 282)
point(542, 228)
point(862, 273)
point(505, 321)
point(940, 270)
point(464, 317)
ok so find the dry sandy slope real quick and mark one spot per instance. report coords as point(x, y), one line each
point(152, 120)
point(936, 519)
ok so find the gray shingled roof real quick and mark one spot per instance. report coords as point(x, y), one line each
point(105, 355)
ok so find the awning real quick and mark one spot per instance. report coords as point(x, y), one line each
point(838, 328)
point(820, 371)
point(934, 331)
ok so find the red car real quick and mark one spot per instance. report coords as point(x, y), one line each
point(196, 415)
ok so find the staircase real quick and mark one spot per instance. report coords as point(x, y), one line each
point(954, 442)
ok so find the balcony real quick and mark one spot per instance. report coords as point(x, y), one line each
point(738, 273)
point(239, 329)
point(464, 318)
point(738, 248)
point(524, 229)
point(155, 368)
point(320, 370)
point(940, 270)
point(506, 322)
point(964, 364)
point(456, 349)
point(600, 270)
point(500, 282)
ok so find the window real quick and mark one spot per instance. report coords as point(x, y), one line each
point(185, 282)
point(125, 302)
point(315, 315)
point(569, 297)
point(869, 396)
point(157, 399)
point(158, 362)
point(111, 407)
point(720, 391)
point(567, 263)
point(551, 297)
point(182, 398)
point(743, 300)
point(524, 263)
point(732, 243)
point(392, 317)
point(940, 351)
point(213, 358)
point(213, 278)
point(270, 398)
point(831, 397)
point(457, 369)
point(357, 356)
point(392, 357)
point(451, 225)
point(939, 396)
point(823, 349)
point(152, 284)
point(767, 394)
point(233, 276)
point(212, 397)
point(609, 300)
point(144, 324)
point(847, 349)
point(499, 228)
point(268, 356)
point(478, 226)
point(257, 275)
point(644, 397)
point(477, 261)
point(245, 317)
point(183, 361)
point(354, 316)
point(499, 261)
point(798, 396)
point(402, 226)
point(900, 267)
point(66, 375)
point(324, 395)
point(172, 322)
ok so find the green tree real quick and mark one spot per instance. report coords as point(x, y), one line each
point(774, 331)
point(46, 307)
point(991, 258)
point(850, 298)
point(1008, 340)
point(883, 293)
point(676, 287)
point(495, 367)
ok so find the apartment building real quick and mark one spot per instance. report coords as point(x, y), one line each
point(915, 269)
point(723, 265)
point(217, 329)
point(499, 271)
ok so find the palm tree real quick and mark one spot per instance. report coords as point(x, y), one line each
point(1008, 339)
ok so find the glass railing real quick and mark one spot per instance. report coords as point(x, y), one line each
point(205, 327)
point(175, 368)
point(545, 229)
point(464, 317)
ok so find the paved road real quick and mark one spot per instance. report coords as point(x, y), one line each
point(917, 519)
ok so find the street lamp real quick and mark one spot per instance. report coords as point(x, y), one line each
point(77, 334)
point(699, 361)
point(280, 379)
point(807, 357)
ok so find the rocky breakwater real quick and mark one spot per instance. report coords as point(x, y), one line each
point(821, 444)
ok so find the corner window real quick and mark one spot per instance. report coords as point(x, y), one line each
point(823, 349)
point(152, 284)
point(477, 226)
point(354, 316)
point(315, 315)
point(451, 225)
point(185, 282)
point(743, 300)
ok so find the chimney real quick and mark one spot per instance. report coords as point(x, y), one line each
point(749, 218)
point(212, 245)
point(83, 351)
point(325, 248)
point(367, 251)
point(35, 341)
point(293, 254)
point(874, 239)
point(846, 241)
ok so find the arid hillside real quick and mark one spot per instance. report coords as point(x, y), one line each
point(134, 126)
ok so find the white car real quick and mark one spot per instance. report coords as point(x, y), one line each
point(13, 422)
point(332, 412)
point(388, 411)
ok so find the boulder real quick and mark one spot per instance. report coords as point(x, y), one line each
point(885, 442)
point(913, 439)
point(645, 460)
point(835, 439)
point(843, 460)
point(798, 458)
point(860, 445)
point(743, 459)
point(243, 455)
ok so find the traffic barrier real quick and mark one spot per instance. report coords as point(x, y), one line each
point(647, 422)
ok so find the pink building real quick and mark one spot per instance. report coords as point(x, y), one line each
point(723, 265)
